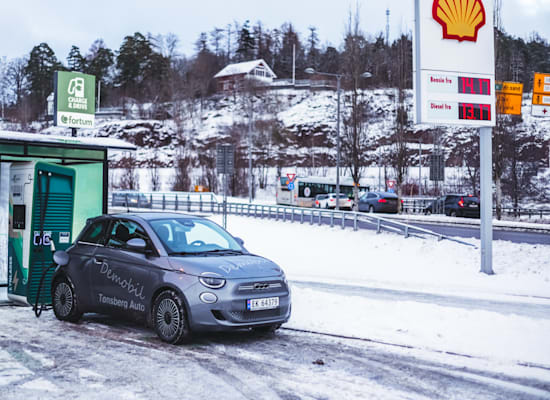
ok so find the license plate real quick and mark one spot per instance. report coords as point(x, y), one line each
point(473, 205)
point(266, 303)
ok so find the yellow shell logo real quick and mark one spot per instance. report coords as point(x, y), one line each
point(460, 19)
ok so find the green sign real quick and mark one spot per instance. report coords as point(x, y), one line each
point(74, 101)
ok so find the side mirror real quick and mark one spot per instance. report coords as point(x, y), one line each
point(61, 258)
point(240, 241)
point(136, 244)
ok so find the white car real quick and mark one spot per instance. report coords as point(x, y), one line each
point(329, 201)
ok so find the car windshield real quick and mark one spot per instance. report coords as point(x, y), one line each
point(187, 236)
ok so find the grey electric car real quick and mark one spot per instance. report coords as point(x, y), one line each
point(178, 273)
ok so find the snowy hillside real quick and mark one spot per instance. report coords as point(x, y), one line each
point(299, 125)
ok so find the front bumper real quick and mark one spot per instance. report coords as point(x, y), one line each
point(230, 312)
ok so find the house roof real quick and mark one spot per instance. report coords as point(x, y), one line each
point(243, 68)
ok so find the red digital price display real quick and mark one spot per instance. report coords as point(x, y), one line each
point(476, 112)
point(468, 85)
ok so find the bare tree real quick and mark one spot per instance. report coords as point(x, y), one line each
point(129, 178)
point(355, 141)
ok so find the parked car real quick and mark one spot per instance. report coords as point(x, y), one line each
point(455, 205)
point(177, 273)
point(329, 201)
point(130, 199)
point(380, 202)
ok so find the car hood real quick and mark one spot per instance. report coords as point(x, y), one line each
point(229, 267)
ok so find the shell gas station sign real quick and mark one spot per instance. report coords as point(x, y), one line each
point(454, 83)
point(454, 62)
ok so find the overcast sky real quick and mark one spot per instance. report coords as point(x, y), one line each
point(62, 23)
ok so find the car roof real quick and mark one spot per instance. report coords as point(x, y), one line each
point(145, 216)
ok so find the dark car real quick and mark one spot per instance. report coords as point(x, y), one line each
point(455, 205)
point(177, 273)
point(130, 199)
point(380, 202)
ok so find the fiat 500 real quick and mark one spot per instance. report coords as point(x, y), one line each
point(180, 274)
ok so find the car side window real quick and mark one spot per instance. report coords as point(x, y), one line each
point(96, 233)
point(371, 196)
point(122, 231)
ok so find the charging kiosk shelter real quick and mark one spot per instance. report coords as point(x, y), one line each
point(50, 186)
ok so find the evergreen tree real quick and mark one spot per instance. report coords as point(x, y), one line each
point(75, 60)
point(245, 51)
point(39, 71)
point(132, 61)
point(313, 57)
point(99, 61)
point(330, 61)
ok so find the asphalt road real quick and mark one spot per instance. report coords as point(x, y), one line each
point(102, 358)
point(457, 231)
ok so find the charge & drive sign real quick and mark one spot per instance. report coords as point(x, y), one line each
point(74, 100)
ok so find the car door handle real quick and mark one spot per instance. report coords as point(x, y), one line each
point(98, 261)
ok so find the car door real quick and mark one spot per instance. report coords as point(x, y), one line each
point(82, 254)
point(122, 277)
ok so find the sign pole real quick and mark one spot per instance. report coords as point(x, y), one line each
point(225, 200)
point(486, 199)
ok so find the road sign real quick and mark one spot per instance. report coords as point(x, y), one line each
point(290, 186)
point(390, 184)
point(541, 95)
point(454, 62)
point(291, 177)
point(437, 167)
point(541, 99)
point(225, 159)
point(509, 97)
point(540, 111)
point(541, 83)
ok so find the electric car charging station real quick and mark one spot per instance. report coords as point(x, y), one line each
point(50, 186)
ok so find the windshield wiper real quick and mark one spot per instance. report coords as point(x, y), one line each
point(185, 253)
point(222, 251)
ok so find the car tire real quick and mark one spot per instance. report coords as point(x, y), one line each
point(371, 209)
point(65, 301)
point(266, 329)
point(452, 213)
point(170, 318)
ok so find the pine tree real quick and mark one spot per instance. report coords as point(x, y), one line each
point(132, 61)
point(75, 60)
point(245, 51)
point(40, 71)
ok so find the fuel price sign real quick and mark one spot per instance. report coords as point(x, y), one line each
point(454, 77)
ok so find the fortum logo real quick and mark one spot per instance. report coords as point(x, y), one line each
point(81, 122)
point(76, 87)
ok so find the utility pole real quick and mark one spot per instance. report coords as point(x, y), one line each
point(338, 77)
point(419, 167)
point(250, 176)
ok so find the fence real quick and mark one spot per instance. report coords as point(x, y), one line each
point(208, 202)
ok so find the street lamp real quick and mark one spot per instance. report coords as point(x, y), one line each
point(312, 71)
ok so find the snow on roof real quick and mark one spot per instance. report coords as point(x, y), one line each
point(243, 68)
point(55, 139)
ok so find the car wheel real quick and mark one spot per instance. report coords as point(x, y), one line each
point(452, 213)
point(170, 318)
point(371, 209)
point(428, 212)
point(266, 329)
point(65, 303)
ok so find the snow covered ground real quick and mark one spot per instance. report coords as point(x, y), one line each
point(430, 325)
point(504, 317)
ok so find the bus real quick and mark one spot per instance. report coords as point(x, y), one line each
point(306, 188)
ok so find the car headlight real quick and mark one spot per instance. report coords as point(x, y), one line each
point(212, 282)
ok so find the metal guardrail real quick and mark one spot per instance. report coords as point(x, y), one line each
point(208, 202)
point(417, 206)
